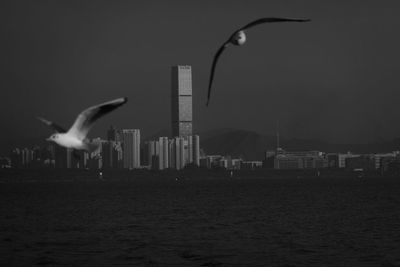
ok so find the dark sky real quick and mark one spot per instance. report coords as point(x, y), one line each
point(335, 78)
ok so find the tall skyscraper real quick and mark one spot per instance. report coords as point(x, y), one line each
point(181, 100)
point(131, 139)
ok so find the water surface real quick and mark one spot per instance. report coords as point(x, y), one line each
point(210, 222)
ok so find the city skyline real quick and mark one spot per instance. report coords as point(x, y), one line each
point(178, 153)
point(123, 148)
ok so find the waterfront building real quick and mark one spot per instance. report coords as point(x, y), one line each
point(111, 154)
point(379, 157)
point(361, 163)
point(150, 152)
point(131, 148)
point(210, 161)
point(16, 158)
point(163, 153)
point(343, 157)
point(250, 165)
point(300, 160)
point(196, 150)
point(171, 153)
point(113, 134)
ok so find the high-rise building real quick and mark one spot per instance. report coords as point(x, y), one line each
point(196, 150)
point(113, 134)
point(148, 153)
point(163, 153)
point(111, 153)
point(131, 139)
point(189, 159)
point(27, 157)
point(152, 149)
point(171, 152)
point(182, 152)
point(181, 100)
point(175, 153)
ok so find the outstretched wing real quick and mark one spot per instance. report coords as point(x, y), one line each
point(53, 125)
point(271, 20)
point(227, 43)
point(214, 64)
point(86, 118)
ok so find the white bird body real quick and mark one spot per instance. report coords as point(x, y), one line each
point(69, 141)
point(239, 38)
point(75, 137)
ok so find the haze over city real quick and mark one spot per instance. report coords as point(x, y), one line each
point(333, 78)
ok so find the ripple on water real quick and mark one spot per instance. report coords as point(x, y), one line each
point(201, 223)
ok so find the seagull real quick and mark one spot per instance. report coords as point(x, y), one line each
point(239, 38)
point(75, 137)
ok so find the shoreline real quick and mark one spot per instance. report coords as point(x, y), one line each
point(14, 175)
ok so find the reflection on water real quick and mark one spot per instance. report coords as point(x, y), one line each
point(213, 222)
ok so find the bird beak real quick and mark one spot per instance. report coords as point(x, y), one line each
point(48, 139)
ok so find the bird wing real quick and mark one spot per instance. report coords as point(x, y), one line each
point(53, 125)
point(270, 20)
point(227, 43)
point(214, 64)
point(86, 118)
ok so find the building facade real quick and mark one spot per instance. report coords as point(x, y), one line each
point(131, 148)
point(175, 153)
point(300, 160)
point(181, 101)
point(196, 150)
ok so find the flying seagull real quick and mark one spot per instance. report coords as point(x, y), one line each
point(75, 137)
point(239, 38)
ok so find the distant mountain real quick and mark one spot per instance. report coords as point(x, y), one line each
point(238, 143)
point(251, 145)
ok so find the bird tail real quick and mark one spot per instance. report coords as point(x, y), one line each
point(92, 147)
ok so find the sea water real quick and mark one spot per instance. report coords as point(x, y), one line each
point(201, 222)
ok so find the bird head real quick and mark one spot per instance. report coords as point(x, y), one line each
point(239, 38)
point(53, 137)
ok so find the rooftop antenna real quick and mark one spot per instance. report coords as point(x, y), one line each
point(277, 135)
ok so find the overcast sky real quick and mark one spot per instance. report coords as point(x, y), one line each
point(335, 78)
